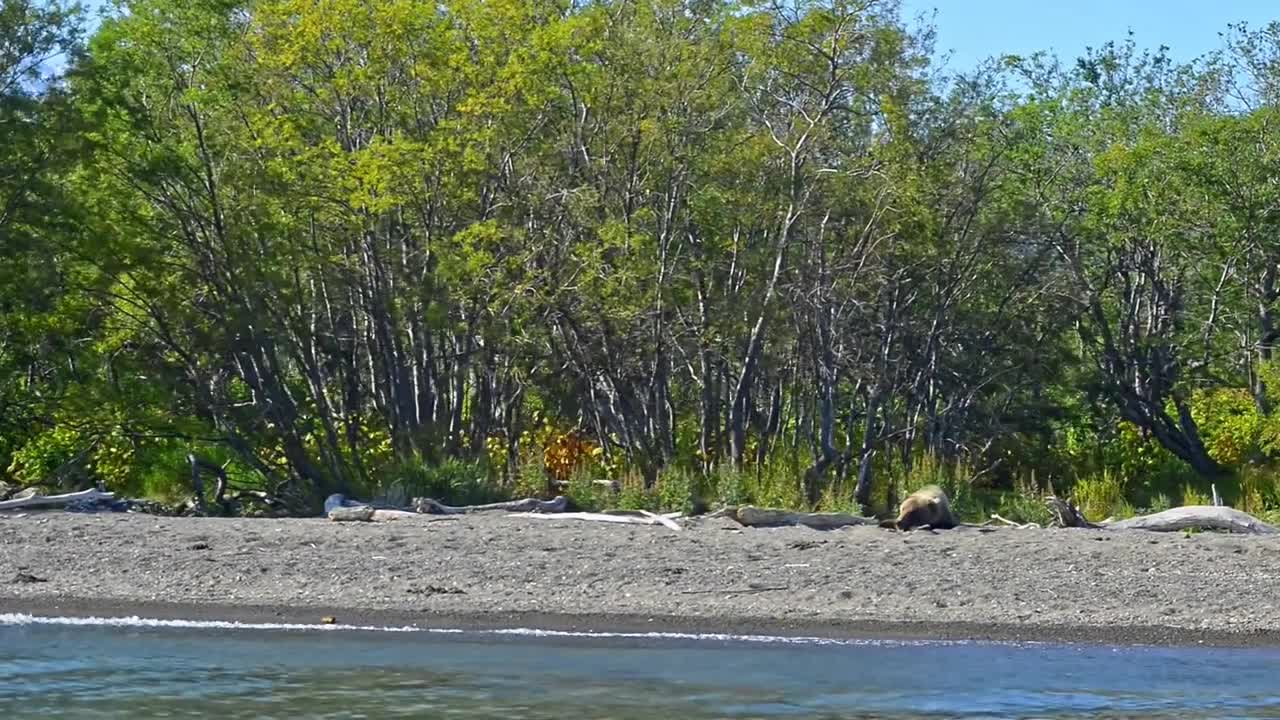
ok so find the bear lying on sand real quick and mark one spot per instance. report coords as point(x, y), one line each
point(927, 506)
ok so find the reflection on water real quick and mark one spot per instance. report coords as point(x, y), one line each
point(138, 672)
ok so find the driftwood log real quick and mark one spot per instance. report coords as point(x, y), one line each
point(368, 513)
point(84, 496)
point(751, 516)
point(532, 505)
point(640, 518)
point(355, 513)
point(1207, 517)
point(340, 508)
point(611, 485)
point(200, 466)
point(1066, 514)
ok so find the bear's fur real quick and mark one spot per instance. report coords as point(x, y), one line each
point(927, 506)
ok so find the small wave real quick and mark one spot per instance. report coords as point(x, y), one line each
point(143, 622)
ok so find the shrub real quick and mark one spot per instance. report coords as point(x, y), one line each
point(1023, 508)
point(678, 490)
point(1258, 492)
point(453, 482)
point(1195, 496)
point(729, 486)
point(779, 483)
point(1102, 496)
point(585, 494)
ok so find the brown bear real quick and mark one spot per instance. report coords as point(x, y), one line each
point(927, 506)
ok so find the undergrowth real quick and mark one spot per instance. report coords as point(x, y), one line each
point(593, 483)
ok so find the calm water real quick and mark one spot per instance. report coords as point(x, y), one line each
point(165, 672)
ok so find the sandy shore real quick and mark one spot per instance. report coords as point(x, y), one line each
point(486, 571)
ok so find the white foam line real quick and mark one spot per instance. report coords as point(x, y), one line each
point(136, 621)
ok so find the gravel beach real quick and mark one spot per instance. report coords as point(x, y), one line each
point(487, 571)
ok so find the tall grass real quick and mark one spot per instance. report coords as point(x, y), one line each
point(778, 482)
point(453, 482)
point(1258, 490)
point(1101, 496)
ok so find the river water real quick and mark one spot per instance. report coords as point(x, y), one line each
point(101, 669)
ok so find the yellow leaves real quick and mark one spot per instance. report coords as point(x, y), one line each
point(1230, 424)
point(378, 176)
point(564, 451)
point(113, 460)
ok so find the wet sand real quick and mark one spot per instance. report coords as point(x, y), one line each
point(484, 571)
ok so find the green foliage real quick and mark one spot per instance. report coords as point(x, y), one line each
point(678, 490)
point(730, 487)
point(585, 494)
point(1021, 508)
point(1259, 490)
point(1195, 496)
point(1158, 503)
point(632, 495)
point(778, 482)
point(692, 247)
point(1101, 496)
point(452, 482)
point(36, 461)
point(954, 477)
point(530, 478)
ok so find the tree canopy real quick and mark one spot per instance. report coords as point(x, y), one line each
point(334, 244)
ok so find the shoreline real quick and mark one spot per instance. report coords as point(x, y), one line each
point(646, 628)
point(487, 572)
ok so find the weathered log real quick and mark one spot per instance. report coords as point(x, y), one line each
point(361, 513)
point(342, 509)
point(531, 505)
point(366, 513)
point(1066, 514)
point(642, 513)
point(612, 485)
point(1208, 517)
point(338, 500)
point(199, 466)
point(751, 516)
point(647, 519)
point(91, 495)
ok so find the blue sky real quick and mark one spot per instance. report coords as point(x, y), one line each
point(975, 29)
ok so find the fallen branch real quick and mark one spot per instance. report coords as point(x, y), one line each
point(531, 505)
point(751, 516)
point(90, 495)
point(666, 520)
point(646, 519)
point(1011, 523)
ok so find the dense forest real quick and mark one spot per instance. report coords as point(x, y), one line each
point(717, 251)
